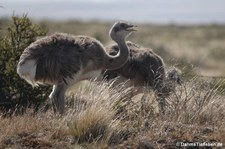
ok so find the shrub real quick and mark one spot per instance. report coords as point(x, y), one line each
point(15, 93)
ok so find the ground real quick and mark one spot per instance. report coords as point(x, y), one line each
point(108, 118)
point(100, 116)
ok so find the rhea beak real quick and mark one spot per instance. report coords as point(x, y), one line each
point(131, 28)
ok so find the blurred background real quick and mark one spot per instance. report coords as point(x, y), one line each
point(187, 33)
point(144, 11)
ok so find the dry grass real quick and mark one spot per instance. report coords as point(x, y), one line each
point(28, 131)
point(99, 116)
point(107, 118)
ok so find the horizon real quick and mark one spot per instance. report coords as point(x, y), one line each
point(142, 11)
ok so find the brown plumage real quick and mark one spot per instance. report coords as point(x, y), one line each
point(60, 56)
point(145, 68)
point(62, 60)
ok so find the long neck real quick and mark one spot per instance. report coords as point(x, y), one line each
point(117, 61)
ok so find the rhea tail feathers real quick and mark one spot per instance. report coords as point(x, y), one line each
point(27, 70)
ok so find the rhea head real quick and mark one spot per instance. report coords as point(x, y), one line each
point(121, 30)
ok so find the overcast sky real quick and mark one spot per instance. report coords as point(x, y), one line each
point(145, 11)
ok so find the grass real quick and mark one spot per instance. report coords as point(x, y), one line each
point(107, 118)
point(101, 116)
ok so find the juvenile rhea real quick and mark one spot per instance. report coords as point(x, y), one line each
point(62, 60)
point(145, 68)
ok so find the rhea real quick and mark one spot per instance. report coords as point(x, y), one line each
point(62, 60)
point(145, 68)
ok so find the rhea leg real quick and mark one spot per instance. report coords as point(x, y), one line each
point(57, 97)
point(161, 93)
point(161, 104)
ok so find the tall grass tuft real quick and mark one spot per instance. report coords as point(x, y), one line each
point(92, 116)
point(198, 102)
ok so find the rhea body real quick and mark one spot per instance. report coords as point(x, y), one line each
point(62, 60)
point(145, 68)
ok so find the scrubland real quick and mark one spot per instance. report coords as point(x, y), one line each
point(99, 115)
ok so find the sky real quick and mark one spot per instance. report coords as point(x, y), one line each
point(143, 11)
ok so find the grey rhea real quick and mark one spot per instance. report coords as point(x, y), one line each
point(62, 60)
point(145, 68)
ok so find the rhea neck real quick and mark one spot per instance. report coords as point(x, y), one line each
point(117, 61)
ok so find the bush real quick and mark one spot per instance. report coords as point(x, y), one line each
point(15, 93)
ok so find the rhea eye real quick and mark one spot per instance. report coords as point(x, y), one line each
point(123, 25)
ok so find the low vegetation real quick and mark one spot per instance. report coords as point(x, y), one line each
point(16, 94)
point(101, 116)
point(106, 118)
